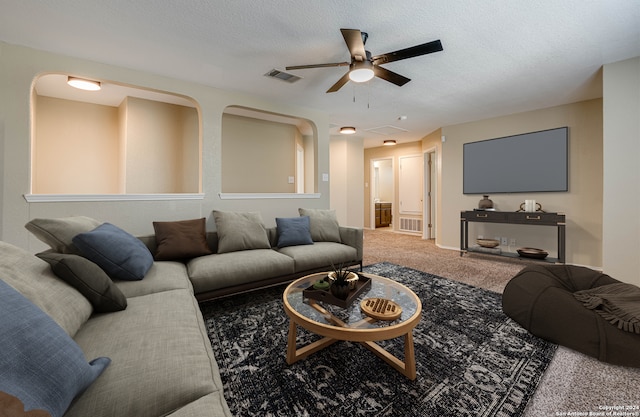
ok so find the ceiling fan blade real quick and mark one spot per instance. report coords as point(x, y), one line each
point(390, 76)
point(353, 39)
point(333, 64)
point(342, 81)
point(425, 48)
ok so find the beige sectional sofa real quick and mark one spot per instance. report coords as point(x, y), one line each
point(150, 328)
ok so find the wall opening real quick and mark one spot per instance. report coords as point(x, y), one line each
point(120, 140)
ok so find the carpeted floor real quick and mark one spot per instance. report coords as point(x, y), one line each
point(471, 359)
point(572, 383)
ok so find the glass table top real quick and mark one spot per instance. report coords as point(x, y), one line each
point(352, 316)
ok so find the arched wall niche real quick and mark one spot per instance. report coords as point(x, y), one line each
point(268, 153)
point(118, 142)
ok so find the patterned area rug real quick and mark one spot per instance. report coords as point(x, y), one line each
point(472, 360)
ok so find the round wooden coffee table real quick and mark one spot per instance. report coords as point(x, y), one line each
point(336, 323)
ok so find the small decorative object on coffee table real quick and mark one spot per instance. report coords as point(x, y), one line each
point(342, 281)
point(362, 285)
point(321, 284)
point(381, 308)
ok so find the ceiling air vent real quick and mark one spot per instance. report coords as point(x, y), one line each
point(387, 130)
point(281, 75)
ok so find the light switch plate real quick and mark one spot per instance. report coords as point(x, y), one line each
point(325, 177)
point(292, 180)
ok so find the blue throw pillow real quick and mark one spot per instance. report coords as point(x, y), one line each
point(39, 363)
point(294, 231)
point(119, 254)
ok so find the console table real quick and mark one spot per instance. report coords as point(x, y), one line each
point(537, 218)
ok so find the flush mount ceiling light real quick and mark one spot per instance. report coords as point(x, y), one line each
point(348, 130)
point(389, 142)
point(83, 84)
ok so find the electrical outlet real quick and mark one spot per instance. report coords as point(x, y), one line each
point(512, 242)
point(503, 241)
point(480, 237)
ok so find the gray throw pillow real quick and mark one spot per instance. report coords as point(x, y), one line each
point(58, 233)
point(240, 231)
point(89, 279)
point(324, 224)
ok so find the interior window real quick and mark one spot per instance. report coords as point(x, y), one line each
point(267, 153)
point(120, 139)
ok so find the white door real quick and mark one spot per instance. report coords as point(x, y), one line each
point(410, 181)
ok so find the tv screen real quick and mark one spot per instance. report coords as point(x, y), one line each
point(530, 162)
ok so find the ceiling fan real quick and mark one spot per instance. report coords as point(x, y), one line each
point(364, 67)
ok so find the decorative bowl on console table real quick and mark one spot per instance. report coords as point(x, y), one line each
point(487, 243)
point(532, 253)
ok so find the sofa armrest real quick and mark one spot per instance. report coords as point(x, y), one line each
point(353, 236)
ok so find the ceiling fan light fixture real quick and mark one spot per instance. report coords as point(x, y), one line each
point(361, 72)
point(348, 130)
point(389, 142)
point(84, 84)
point(361, 75)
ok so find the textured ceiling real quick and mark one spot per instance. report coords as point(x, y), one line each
point(500, 56)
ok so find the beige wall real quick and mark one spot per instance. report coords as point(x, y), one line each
point(346, 173)
point(75, 149)
point(142, 146)
point(621, 224)
point(20, 66)
point(582, 204)
point(259, 155)
point(157, 151)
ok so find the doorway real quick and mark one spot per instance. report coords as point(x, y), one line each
point(382, 186)
point(430, 194)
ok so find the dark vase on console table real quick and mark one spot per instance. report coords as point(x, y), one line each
point(485, 203)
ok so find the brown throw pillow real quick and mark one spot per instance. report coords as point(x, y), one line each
point(180, 240)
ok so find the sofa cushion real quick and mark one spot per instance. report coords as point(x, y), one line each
point(293, 231)
point(217, 271)
point(88, 278)
point(182, 239)
point(119, 254)
point(324, 224)
point(59, 233)
point(321, 254)
point(166, 362)
point(40, 364)
point(33, 278)
point(162, 276)
point(239, 231)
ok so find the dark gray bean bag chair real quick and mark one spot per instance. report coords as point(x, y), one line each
point(541, 299)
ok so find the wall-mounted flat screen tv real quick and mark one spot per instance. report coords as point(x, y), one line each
point(530, 162)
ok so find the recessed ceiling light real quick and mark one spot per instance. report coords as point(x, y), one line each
point(348, 130)
point(389, 142)
point(83, 84)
